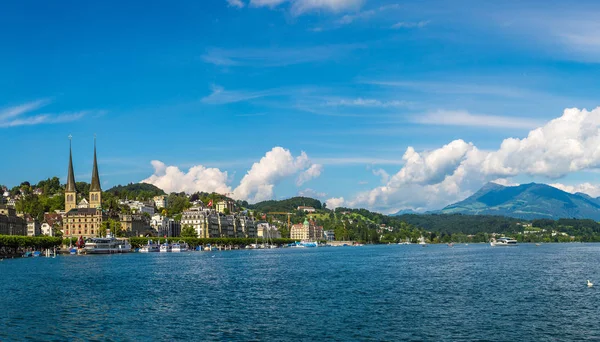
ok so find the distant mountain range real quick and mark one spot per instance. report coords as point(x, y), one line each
point(527, 201)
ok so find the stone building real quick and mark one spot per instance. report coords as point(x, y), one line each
point(80, 221)
point(307, 231)
point(10, 223)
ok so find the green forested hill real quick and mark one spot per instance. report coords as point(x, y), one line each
point(290, 204)
point(136, 191)
point(466, 224)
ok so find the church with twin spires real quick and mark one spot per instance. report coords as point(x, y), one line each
point(84, 218)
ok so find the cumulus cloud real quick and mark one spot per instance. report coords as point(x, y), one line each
point(433, 179)
point(335, 202)
point(586, 188)
point(313, 171)
point(311, 193)
point(198, 178)
point(257, 185)
point(277, 164)
point(385, 177)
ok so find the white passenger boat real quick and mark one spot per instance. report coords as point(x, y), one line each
point(179, 247)
point(503, 241)
point(150, 247)
point(165, 247)
point(106, 245)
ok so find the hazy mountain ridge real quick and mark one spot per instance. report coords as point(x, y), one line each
point(527, 201)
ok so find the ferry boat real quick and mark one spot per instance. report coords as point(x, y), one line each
point(107, 245)
point(179, 247)
point(503, 241)
point(151, 247)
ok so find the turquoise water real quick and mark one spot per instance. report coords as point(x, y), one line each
point(373, 293)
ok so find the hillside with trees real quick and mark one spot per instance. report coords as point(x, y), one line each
point(286, 205)
point(136, 191)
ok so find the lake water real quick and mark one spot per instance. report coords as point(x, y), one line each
point(474, 292)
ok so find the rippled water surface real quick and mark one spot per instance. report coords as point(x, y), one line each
point(392, 293)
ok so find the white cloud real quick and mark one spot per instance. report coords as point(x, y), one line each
point(311, 193)
point(363, 15)
point(464, 118)
point(235, 3)
point(17, 115)
point(257, 185)
point(404, 24)
point(457, 88)
point(198, 178)
point(277, 56)
point(313, 171)
point(433, 179)
point(505, 182)
point(277, 164)
point(299, 7)
point(360, 102)
point(221, 96)
point(335, 202)
point(385, 177)
point(586, 188)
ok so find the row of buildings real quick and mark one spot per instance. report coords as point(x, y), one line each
point(212, 224)
point(85, 218)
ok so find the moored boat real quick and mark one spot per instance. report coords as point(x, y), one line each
point(106, 245)
point(150, 247)
point(179, 247)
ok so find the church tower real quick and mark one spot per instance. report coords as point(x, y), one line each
point(70, 190)
point(95, 190)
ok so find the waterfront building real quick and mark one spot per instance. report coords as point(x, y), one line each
point(196, 218)
point(83, 222)
point(308, 231)
point(264, 229)
point(135, 225)
point(10, 223)
point(225, 204)
point(160, 201)
point(307, 209)
point(329, 235)
point(164, 226)
point(138, 207)
point(34, 228)
point(247, 226)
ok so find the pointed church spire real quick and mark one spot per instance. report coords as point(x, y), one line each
point(95, 186)
point(71, 177)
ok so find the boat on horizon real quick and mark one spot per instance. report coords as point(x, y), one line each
point(503, 241)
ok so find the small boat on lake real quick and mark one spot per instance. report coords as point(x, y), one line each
point(503, 241)
point(165, 247)
point(179, 247)
point(150, 247)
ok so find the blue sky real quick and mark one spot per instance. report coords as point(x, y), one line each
point(353, 84)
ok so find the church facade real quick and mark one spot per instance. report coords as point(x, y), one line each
point(86, 217)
